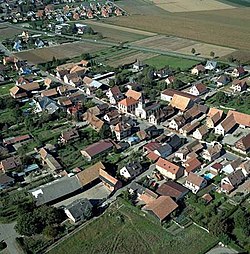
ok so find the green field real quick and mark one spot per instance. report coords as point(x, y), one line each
point(125, 229)
point(173, 62)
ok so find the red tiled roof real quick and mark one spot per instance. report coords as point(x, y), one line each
point(167, 165)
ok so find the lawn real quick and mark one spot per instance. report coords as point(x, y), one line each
point(125, 229)
point(4, 89)
point(173, 62)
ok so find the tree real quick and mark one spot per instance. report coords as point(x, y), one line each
point(99, 93)
point(221, 97)
point(193, 51)
point(212, 54)
point(50, 231)
point(242, 220)
point(105, 131)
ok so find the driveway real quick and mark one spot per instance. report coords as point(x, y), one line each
point(9, 234)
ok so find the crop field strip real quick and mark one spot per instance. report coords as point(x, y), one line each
point(67, 50)
point(229, 27)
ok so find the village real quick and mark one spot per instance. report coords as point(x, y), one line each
point(108, 130)
point(88, 138)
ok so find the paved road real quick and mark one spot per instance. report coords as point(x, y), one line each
point(9, 234)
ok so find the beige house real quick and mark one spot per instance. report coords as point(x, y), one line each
point(168, 169)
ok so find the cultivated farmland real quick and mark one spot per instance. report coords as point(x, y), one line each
point(191, 5)
point(67, 50)
point(7, 32)
point(229, 27)
point(124, 229)
point(117, 34)
point(116, 57)
point(180, 45)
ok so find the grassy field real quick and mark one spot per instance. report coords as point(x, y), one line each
point(124, 229)
point(233, 31)
point(174, 62)
point(67, 50)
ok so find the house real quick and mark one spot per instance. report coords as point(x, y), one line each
point(216, 168)
point(226, 126)
point(161, 115)
point(198, 89)
point(49, 160)
point(168, 169)
point(245, 167)
point(17, 92)
point(151, 146)
point(207, 198)
point(45, 104)
point(239, 85)
point(178, 122)
point(243, 144)
point(112, 117)
point(127, 105)
point(95, 122)
point(195, 182)
point(231, 166)
point(131, 170)
point(198, 69)
point(168, 94)
point(122, 130)
point(162, 73)
point(109, 181)
point(222, 80)
point(174, 141)
point(18, 139)
point(170, 80)
point(211, 65)
point(238, 72)
point(11, 163)
point(114, 94)
point(214, 116)
point(188, 128)
point(6, 181)
point(181, 102)
point(163, 151)
point(162, 207)
point(69, 135)
point(191, 165)
point(79, 210)
point(49, 93)
point(138, 65)
point(213, 152)
point(53, 191)
point(232, 181)
point(147, 196)
point(243, 120)
point(90, 175)
point(96, 149)
point(172, 189)
point(201, 132)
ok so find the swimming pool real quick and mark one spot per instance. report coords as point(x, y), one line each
point(209, 176)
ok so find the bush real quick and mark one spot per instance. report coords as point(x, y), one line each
point(3, 245)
